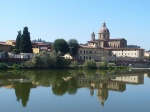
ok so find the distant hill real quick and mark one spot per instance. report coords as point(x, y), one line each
point(133, 46)
point(43, 41)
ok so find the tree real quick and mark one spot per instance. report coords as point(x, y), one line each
point(25, 42)
point(89, 64)
point(18, 40)
point(103, 62)
point(73, 47)
point(61, 45)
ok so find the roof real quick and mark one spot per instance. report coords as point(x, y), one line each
point(125, 48)
point(97, 40)
point(12, 40)
point(104, 29)
point(117, 39)
point(82, 46)
point(3, 43)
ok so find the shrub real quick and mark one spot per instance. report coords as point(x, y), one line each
point(89, 64)
point(3, 66)
point(16, 66)
point(74, 64)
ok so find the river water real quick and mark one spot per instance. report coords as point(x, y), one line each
point(74, 91)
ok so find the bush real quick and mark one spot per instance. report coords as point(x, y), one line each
point(74, 64)
point(101, 64)
point(89, 64)
point(3, 66)
point(16, 66)
point(110, 64)
point(15, 51)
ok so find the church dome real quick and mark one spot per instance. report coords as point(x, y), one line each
point(104, 29)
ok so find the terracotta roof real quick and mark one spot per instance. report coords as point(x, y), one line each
point(98, 40)
point(117, 39)
point(90, 47)
point(3, 43)
point(123, 48)
point(12, 40)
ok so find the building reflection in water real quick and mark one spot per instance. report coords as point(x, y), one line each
point(113, 83)
point(102, 83)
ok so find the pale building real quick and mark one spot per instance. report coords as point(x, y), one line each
point(111, 49)
point(135, 79)
point(11, 42)
point(5, 47)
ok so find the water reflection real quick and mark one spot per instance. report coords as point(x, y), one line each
point(69, 81)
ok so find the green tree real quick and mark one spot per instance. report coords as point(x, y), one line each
point(61, 45)
point(103, 62)
point(25, 42)
point(73, 47)
point(18, 40)
point(89, 64)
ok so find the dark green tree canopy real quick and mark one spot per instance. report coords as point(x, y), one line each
point(18, 40)
point(73, 47)
point(61, 45)
point(25, 42)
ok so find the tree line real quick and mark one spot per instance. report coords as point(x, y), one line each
point(23, 42)
point(24, 45)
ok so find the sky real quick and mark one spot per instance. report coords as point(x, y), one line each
point(76, 19)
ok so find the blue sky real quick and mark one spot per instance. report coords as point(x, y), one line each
point(53, 19)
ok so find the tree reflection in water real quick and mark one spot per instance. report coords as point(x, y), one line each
point(22, 91)
point(68, 81)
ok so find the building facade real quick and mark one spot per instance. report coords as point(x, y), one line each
point(111, 49)
point(5, 47)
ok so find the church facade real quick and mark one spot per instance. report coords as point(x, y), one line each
point(111, 49)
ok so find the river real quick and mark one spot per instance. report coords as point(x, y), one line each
point(74, 91)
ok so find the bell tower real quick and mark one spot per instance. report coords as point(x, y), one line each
point(93, 36)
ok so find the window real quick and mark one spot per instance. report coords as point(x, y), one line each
point(80, 57)
point(80, 51)
point(90, 52)
point(90, 57)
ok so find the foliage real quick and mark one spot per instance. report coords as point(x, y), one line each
point(18, 40)
point(103, 63)
point(73, 47)
point(61, 45)
point(89, 64)
point(74, 64)
point(47, 60)
point(110, 64)
point(103, 59)
point(3, 66)
point(25, 42)
point(15, 51)
point(16, 66)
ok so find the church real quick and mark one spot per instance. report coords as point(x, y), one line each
point(104, 40)
point(111, 49)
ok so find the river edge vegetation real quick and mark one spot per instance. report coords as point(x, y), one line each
point(55, 60)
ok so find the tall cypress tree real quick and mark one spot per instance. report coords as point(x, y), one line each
point(18, 40)
point(25, 42)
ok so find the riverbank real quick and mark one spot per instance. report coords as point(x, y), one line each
point(140, 68)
